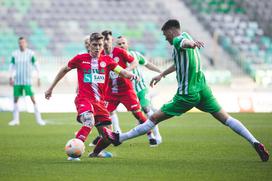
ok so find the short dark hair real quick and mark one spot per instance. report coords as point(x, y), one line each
point(171, 23)
point(21, 38)
point(107, 33)
point(96, 36)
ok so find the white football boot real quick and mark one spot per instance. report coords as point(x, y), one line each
point(14, 123)
point(41, 122)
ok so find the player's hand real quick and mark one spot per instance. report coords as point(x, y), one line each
point(39, 82)
point(135, 77)
point(155, 80)
point(11, 81)
point(48, 94)
point(198, 44)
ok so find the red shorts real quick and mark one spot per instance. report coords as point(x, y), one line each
point(129, 99)
point(101, 114)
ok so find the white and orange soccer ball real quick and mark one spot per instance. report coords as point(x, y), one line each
point(74, 148)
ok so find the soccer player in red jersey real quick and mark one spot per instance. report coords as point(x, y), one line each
point(93, 73)
point(120, 90)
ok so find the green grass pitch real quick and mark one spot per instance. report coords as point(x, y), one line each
point(195, 147)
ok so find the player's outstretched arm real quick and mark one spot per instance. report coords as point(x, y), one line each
point(125, 73)
point(156, 79)
point(152, 67)
point(59, 76)
point(192, 44)
point(132, 65)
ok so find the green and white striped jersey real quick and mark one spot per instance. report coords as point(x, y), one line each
point(138, 86)
point(23, 63)
point(188, 67)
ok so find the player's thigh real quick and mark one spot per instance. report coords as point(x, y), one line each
point(28, 90)
point(101, 115)
point(102, 118)
point(143, 98)
point(17, 90)
point(180, 104)
point(208, 102)
point(111, 104)
point(130, 101)
point(159, 116)
point(83, 105)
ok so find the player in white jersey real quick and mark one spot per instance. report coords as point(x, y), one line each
point(22, 62)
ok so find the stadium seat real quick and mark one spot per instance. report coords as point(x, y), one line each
point(239, 25)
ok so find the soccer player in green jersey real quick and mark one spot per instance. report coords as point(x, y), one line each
point(22, 62)
point(192, 91)
point(139, 86)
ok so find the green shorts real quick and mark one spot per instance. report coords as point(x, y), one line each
point(143, 98)
point(203, 100)
point(18, 90)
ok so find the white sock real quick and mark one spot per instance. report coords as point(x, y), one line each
point(156, 132)
point(16, 112)
point(37, 113)
point(137, 131)
point(115, 123)
point(156, 128)
point(240, 129)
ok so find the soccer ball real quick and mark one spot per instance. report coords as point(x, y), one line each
point(74, 148)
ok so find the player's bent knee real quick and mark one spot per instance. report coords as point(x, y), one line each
point(146, 109)
point(87, 119)
point(159, 116)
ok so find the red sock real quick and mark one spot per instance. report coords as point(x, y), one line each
point(83, 133)
point(139, 115)
point(101, 145)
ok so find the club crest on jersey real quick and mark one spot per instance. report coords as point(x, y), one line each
point(116, 59)
point(103, 64)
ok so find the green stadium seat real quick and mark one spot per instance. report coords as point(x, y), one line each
point(72, 49)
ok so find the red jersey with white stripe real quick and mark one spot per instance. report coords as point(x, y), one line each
point(92, 75)
point(118, 85)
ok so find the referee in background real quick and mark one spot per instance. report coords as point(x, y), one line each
point(22, 62)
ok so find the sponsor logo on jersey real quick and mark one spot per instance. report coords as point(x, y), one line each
point(89, 71)
point(94, 78)
point(98, 78)
point(85, 62)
